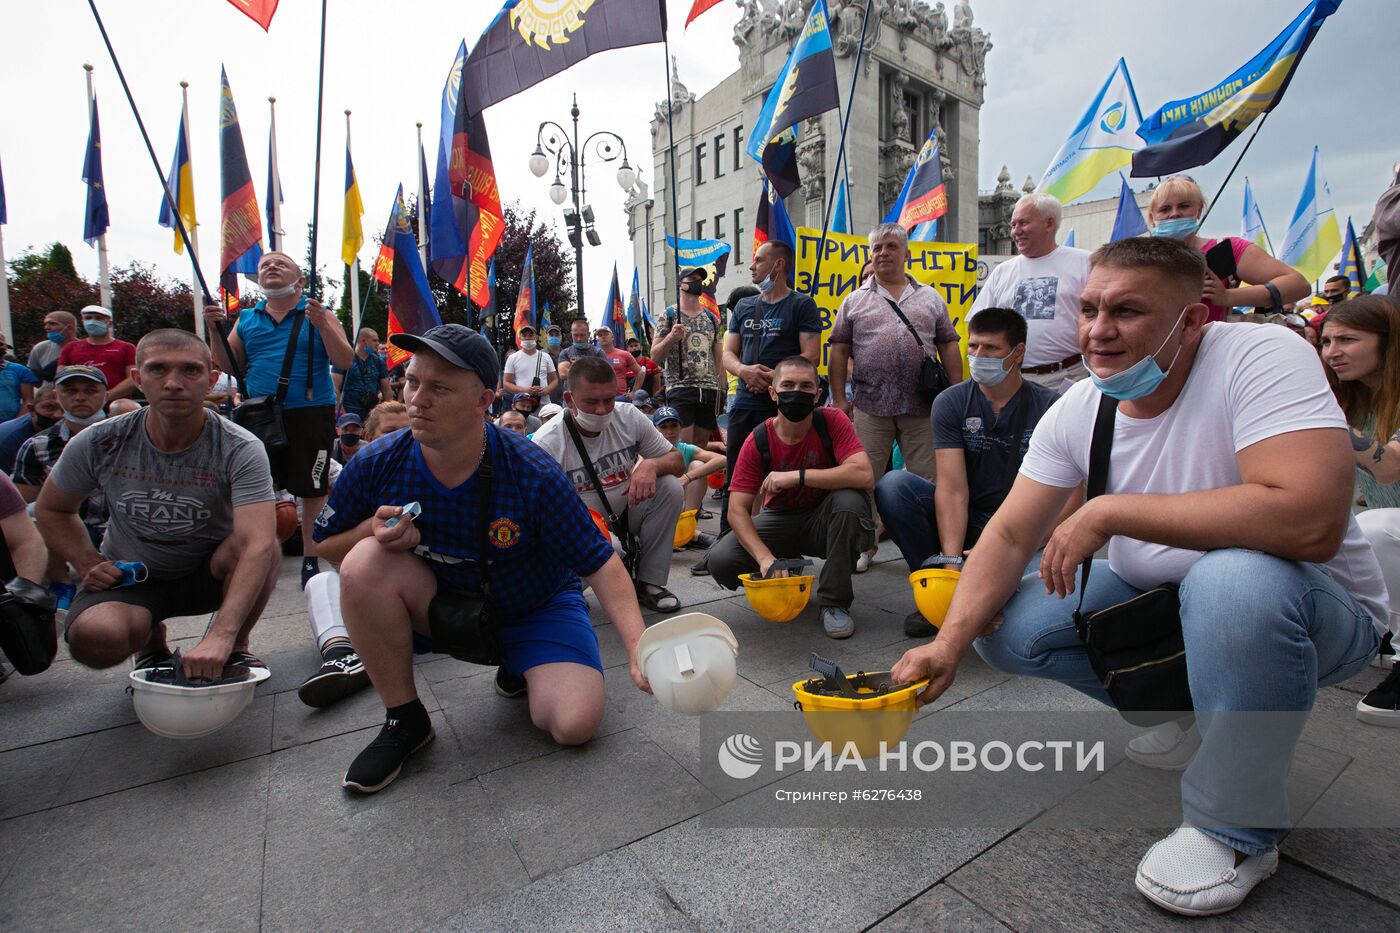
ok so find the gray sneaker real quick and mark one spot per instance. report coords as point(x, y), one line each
point(837, 622)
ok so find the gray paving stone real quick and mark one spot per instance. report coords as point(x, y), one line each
point(605, 894)
point(1078, 880)
point(1029, 693)
point(17, 835)
point(418, 851)
point(183, 854)
point(66, 700)
point(748, 879)
point(633, 788)
point(771, 652)
point(31, 778)
point(1335, 838)
point(295, 723)
point(130, 756)
point(1333, 724)
point(940, 908)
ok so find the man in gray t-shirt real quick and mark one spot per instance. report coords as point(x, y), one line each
point(190, 496)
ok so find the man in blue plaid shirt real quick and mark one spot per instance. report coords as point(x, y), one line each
point(539, 540)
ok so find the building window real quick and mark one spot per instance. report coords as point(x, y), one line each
point(719, 226)
point(699, 229)
point(700, 164)
point(738, 229)
point(719, 155)
point(738, 145)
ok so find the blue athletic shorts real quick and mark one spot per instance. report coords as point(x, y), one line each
point(557, 631)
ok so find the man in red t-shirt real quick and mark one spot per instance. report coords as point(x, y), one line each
point(624, 366)
point(100, 349)
point(814, 489)
point(651, 381)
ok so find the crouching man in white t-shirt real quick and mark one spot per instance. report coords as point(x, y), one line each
point(1229, 475)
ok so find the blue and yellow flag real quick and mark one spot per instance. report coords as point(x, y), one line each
point(1353, 264)
point(1313, 237)
point(713, 256)
point(95, 219)
point(840, 211)
point(1128, 220)
point(352, 235)
point(1252, 224)
point(1103, 141)
point(181, 181)
point(804, 88)
point(923, 199)
point(1189, 132)
point(530, 40)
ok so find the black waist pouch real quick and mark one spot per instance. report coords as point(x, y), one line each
point(1137, 650)
point(464, 625)
point(28, 632)
point(262, 417)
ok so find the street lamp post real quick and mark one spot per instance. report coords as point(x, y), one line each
point(607, 146)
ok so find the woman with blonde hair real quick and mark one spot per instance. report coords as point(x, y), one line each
point(1361, 347)
point(1175, 211)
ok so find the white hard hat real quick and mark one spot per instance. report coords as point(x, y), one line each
point(177, 712)
point(690, 662)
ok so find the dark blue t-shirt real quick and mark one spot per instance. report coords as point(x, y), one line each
point(963, 419)
point(769, 334)
point(13, 434)
point(542, 537)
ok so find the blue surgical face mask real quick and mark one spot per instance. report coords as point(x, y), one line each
point(554, 341)
point(767, 284)
point(1141, 378)
point(989, 370)
point(1177, 228)
point(581, 345)
point(96, 328)
point(55, 335)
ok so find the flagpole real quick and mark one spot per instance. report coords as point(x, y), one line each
point(4, 293)
point(670, 157)
point(1257, 127)
point(104, 277)
point(841, 149)
point(151, 151)
point(422, 207)
point(355, 314)
point(274, 233)
point(316, 185)
point(198, 307)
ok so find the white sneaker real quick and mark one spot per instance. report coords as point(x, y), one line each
point(863, 561)
point(1167, 747)
point(1190, 873)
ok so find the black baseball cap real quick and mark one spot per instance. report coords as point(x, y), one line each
point(459, 345)
point(688, 271)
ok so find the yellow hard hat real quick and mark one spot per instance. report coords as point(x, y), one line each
point(685, 528)
point(867, 721)
point(933, 591)
point(780, 599)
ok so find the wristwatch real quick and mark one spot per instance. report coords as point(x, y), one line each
point(1277, 306)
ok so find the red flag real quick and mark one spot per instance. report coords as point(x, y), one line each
point(700, 6)
point(472, 177)
point(259, 11)
point(384, 262)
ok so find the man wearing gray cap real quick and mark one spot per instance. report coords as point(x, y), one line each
point(455, 536)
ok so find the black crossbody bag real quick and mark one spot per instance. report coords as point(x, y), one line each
point(617, 522)
point(933, 377)
point(463, 624)
point(28, 631)
point(262, 416)
point(1135, 647)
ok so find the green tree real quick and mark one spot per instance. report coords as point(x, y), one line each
point(41, 282)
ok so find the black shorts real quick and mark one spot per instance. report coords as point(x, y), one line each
point(193, 594)
point(303, 466)
point(695, 406)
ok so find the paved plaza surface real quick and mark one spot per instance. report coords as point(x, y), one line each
point(106, 826)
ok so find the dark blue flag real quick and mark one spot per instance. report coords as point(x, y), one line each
point(412, 308)
point(530, 40)
point(95, 220)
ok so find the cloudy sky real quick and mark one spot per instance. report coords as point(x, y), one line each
point(387, 61)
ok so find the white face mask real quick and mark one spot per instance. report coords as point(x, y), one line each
point(594, 424)
point(286, 291)
point(93, 418)
point(528, 344)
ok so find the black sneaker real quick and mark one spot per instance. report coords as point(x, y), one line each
point(701, 569)
point(310, 566)
point(1385, 655)
point(376, 767)
point(1381, 707)
point(916, 626)
point(509, 685)
point(341, 674)
point(244, 659)
point(151, 659)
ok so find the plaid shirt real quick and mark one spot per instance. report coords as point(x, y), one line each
point(37, 457)
point(542, 537)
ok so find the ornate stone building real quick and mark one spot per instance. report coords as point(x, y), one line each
point(918, 72)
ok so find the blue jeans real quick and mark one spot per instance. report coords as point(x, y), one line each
point(1261, 633)
point(905, 501)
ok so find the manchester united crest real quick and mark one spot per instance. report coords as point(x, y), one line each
point(503, 533)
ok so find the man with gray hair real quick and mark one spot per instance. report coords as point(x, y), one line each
point(887, 327)
point(1043, 283)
